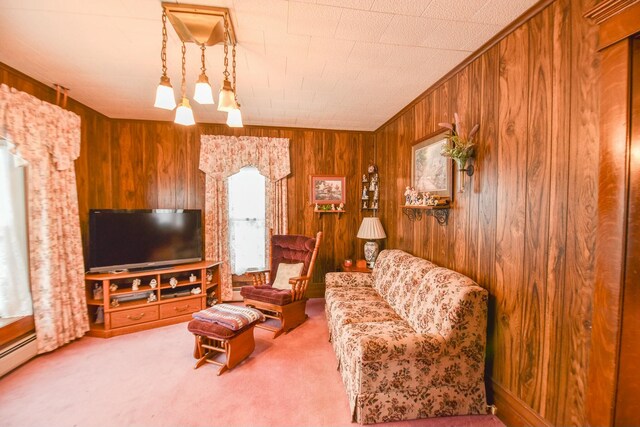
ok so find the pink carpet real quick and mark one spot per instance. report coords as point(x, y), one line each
point(147, 379)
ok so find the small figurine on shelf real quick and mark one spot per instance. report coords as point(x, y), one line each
point(97, 291)
point(192, 278)
point(196, 291)
point(136, 284)
point(152, 297)
point(364, 204)
point(99, 316)
point(372, 186)
point(341, 207)
point(365, 196)
point(376, 194)
point(317, 207)
point(333, 207)
point(173, 282)
point(153, 283)
point(364, 178)
point(375, 204)
point(115, 303)
point(415, 197)
point(407, 195)
point(209, 276)
point(113, 287)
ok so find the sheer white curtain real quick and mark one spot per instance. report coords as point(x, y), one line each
point(247, 220)
point(15, 296)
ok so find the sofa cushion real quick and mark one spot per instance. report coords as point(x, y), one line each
point(387, 340)
point(348, 279)
point(266, 294)
point(345, 312)
point(397, 275)
point(452, 305)
point(333, 295)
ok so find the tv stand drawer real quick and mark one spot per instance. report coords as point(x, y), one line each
point(178, 308)
point(134, 316)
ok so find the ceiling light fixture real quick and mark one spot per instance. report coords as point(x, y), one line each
point(227, 99)
point(184, 113)
point(203, 94)
point(164, 93)
point(234, 116)
point(204, 26)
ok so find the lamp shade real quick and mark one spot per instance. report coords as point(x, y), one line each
point(164, 95)
point(371, 229)
point(234, 118)
point(202, 93)
point(184, 114)
point(227, 99)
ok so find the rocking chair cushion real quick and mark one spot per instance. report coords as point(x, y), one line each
point(267, 294)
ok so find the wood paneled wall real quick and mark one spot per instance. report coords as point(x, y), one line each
point(148, 164)
point(129, 164)
point(525, 227)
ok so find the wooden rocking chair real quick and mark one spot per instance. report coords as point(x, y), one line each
point(286, 305)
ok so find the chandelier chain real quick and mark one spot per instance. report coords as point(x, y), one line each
point(184, 70)
point(163, 54)
point(233, 70)
point(226, 49)
point(203, 67)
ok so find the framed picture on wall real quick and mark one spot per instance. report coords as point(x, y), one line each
point(430, 171)
point(328, 189)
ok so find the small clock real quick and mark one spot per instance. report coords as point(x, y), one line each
point(372, 168)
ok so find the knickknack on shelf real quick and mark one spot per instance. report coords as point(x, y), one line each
point(416, 203)
point(370, 189)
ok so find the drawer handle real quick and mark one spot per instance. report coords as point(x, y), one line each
point(181, 309)
point(130, 317)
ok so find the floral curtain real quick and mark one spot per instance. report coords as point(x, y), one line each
point(221, 157)
point(47, 137)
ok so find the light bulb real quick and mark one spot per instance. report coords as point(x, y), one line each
point(184, 114)
point(164, 95)
point(227, 99)
point(203, 94)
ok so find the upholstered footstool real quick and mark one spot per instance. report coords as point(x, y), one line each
point(227, 329)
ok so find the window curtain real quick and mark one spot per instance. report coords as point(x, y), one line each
point(47, 137)
point(221, 157)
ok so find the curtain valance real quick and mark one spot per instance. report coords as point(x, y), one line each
point(222, 156)
point(37, 128)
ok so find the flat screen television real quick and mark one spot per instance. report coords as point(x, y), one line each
point(139, 239)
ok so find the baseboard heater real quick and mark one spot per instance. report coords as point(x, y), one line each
point(21, 351)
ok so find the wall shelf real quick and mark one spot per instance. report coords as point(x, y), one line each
point(415, 213)
point(320, 212)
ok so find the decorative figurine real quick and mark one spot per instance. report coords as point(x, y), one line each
point(317, 207)
point(375, 204)
point(209, 276)
point(333, 207)
point(375, 178)
point(365, 196)
point(373, 185)
point(407, 195)
point(152, 297)
point(153, 283)
point(113, 287)
point(376, 194)
point(97, 291)
point(115, 303)
point(364, 178)
point(364, 204)
point(196, 291)
point(173, 282)
point(341, 207)
point(136, 284)
point(99, 316)
point(192, 278)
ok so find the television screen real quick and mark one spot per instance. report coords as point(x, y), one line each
point(126, 239)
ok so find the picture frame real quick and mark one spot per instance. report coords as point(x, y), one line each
point(328, 189)
point(430, 171)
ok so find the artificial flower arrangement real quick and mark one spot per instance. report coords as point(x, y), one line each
point(460, 146)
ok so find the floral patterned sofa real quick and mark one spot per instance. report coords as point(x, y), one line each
point(409, 338)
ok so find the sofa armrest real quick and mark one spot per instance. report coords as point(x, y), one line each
point(342, 280)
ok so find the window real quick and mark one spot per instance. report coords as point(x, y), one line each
point(247, 225)
point(15, 297)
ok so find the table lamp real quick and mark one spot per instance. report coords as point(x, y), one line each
point(371, 229)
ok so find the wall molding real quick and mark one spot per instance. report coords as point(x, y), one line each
point(607, 8)
point(513, 411)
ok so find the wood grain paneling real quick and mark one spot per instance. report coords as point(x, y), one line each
point(525, 227)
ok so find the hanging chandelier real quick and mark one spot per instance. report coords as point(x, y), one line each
point(203, 26)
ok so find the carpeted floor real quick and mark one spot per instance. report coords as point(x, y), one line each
point(147, 379)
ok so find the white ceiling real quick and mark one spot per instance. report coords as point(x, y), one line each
point(334, 64)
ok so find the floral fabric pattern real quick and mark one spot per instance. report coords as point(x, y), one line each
point(341, 280)
point(47, 137)
point(223, 156)
point(410, 342)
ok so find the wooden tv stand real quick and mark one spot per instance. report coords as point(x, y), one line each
point(134, 313)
